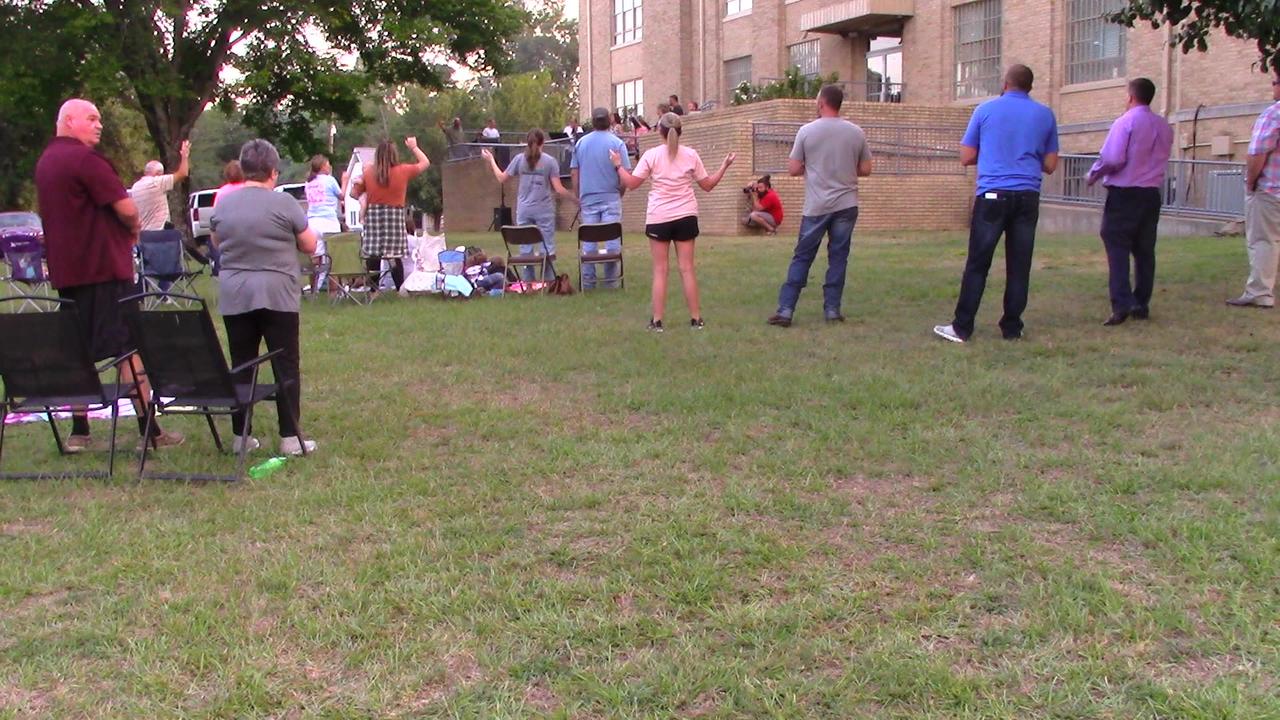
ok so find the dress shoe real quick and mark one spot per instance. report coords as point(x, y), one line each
point(1243, 301)
point(1140, 313)
point(1116, 319)
point(779, 320)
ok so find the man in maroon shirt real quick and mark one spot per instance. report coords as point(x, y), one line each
point(90, 227)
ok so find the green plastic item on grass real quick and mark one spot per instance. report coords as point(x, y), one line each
point(266, 467)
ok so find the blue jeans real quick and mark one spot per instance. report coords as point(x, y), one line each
point(1014, 214)
point(838, 227)
point(545, 219)
point(601, 209)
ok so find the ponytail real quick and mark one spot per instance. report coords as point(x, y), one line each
point(669, 126)
point(533, 147)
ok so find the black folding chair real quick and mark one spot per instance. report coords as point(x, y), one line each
point(189, 375)
point(163, 266)
point(46, 368)
point(514, 236)
point(600, 233)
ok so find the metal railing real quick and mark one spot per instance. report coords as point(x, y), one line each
point(896, 149)
point(1210, 188)
point(561, 150)
point(887, 92)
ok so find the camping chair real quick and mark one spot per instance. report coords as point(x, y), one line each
point(348, 279)
point(24, 260)
point(163, 267)
point(189, 375)
point(600, 233)
point(514, 236)
point(50, 369)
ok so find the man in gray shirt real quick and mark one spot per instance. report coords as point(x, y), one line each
point(832, 154)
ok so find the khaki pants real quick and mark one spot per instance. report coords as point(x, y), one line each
point(1262, 238)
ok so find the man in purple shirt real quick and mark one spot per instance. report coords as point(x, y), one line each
point(1131, 165)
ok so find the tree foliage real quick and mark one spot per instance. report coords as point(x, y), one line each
point(1194, 20)
point(292, 63)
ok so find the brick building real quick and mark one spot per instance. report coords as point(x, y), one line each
point(923, 52)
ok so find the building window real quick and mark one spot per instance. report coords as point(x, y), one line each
point(736, 7)
point(1095, 46)
point(977, 49)
point(736, 72)
point(627, 21)
point(884, 70)
point(628, 98)
point(804, 57)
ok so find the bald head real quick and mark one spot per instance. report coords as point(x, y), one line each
point(1019, 77)
point(153, 167)
point(79, 119)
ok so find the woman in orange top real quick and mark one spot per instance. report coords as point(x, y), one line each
point(385, 184)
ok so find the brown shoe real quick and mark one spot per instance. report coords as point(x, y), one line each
point(169, 438)
point(779, 320)
point(77, 443)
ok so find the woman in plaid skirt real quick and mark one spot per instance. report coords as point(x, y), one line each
point(385, 184)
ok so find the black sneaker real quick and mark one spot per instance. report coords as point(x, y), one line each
point(655, 326)
point(697, 323)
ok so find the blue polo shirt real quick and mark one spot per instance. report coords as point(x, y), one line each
point(596, 174)
point(1012, 134)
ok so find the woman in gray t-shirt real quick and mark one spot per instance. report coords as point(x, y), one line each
point(259, 233)
point(539, 175)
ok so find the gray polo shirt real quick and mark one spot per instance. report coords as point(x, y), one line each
point(257, 233)
point(830, 148)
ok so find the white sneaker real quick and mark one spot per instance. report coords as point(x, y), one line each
point(293, 445)
point(948, 333)
point(250, 445)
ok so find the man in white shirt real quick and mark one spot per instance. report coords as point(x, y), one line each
point(151, 191)
point(490, 131)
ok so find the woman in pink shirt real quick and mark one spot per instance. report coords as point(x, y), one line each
point(672, 215)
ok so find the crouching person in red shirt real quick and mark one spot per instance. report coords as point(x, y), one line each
point(766, 207)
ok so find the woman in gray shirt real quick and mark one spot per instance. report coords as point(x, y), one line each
point(539, 175)
point(259, 233)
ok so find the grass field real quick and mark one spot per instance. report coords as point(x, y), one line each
point(530, 507)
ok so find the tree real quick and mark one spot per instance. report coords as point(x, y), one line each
point(297, 61)
point(548, 44)
point(1193, 20)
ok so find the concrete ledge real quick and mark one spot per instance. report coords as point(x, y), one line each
point(1074, 219)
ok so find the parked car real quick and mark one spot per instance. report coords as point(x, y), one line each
point(200, 206)
point(298, 191)
point(21, 220)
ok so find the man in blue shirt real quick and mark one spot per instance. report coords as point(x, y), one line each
point(1013, 140)
point(599, 193)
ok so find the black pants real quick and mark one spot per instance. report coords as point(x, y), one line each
point(245, 334)
point(373, 266)
point(1014, 214)
point(1129, 221)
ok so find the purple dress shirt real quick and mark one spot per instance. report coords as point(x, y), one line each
point(1136, 151)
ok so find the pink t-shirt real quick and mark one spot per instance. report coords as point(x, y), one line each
point(225, 190)
point(671, 196)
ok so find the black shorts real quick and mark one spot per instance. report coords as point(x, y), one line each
point(681, 230)
point(102, 318)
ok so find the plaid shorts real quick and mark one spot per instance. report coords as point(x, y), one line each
point(384, 234)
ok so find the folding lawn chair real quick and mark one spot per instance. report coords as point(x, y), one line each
point(521, 236)
point(49, 369)
point(24, 264)
point(310, 270)
point(189, 375)
point(600, 233)
point(163, 267)
point(348, 279)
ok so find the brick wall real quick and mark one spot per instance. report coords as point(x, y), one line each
point(888, 202)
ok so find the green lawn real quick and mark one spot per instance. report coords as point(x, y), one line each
point(530, 507)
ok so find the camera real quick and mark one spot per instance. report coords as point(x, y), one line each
point(749, 189)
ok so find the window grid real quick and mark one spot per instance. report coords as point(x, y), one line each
point(977, 26)
point(628, 98)
point(736, 72)
point(736, 7)
point(804, 57)
point(628, 19)
point(1095, 47)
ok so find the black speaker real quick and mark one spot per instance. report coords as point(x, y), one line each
point(501, 216)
